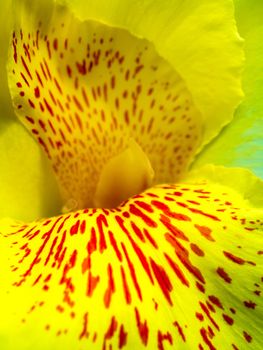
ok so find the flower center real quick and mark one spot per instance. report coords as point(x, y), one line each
point(105, 107)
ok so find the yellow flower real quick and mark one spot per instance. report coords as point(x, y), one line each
point(141, 253)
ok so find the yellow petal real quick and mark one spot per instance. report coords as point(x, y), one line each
point(83, 89)
point(240, 144)
point(198, 37)
point(177, 267)
point(26, 182)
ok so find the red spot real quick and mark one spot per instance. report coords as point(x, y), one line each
point(196, 249)
point(234, 258)
point(215, 301)
point(122, 337)
point(199, 316)
point(178, 194)
point(31, 120)
point(113, 81)
point(221, 272)
point(247, 337)
point(92, 284)
point(69, 71)
point(144, 206)
point(142, 328)
point(112, 329)
point(55, 44)
point(84, 332)
point(138, 69)
point(164, 337)
point(205, 231)
point(228, 319)
point(250, 304)
point(74, 228)
point(37, 92)
point(126, 117)
point(83, 227)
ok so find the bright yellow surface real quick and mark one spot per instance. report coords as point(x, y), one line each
point(179, 265)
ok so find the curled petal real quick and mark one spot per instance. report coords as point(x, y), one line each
point(240, 144)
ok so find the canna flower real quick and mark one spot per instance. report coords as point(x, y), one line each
point(123, 98)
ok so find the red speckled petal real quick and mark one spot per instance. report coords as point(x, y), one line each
point(83, 89)
point(177, 267)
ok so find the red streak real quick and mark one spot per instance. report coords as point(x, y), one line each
point(142, 328)
point(180, 330)
point(162, 337)
point(111, 287)
point(148, 221)
point(132, 271)
point(166, 210)
point(122, 337)
point(234, 258)
point(163, 280)
point(221, 272)
point(127, 293)
point(102, 220)
point(179, 273)
point(115, 246)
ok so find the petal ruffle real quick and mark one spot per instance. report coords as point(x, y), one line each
point(199, 39)
point(241, 144)
point(177, 267)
